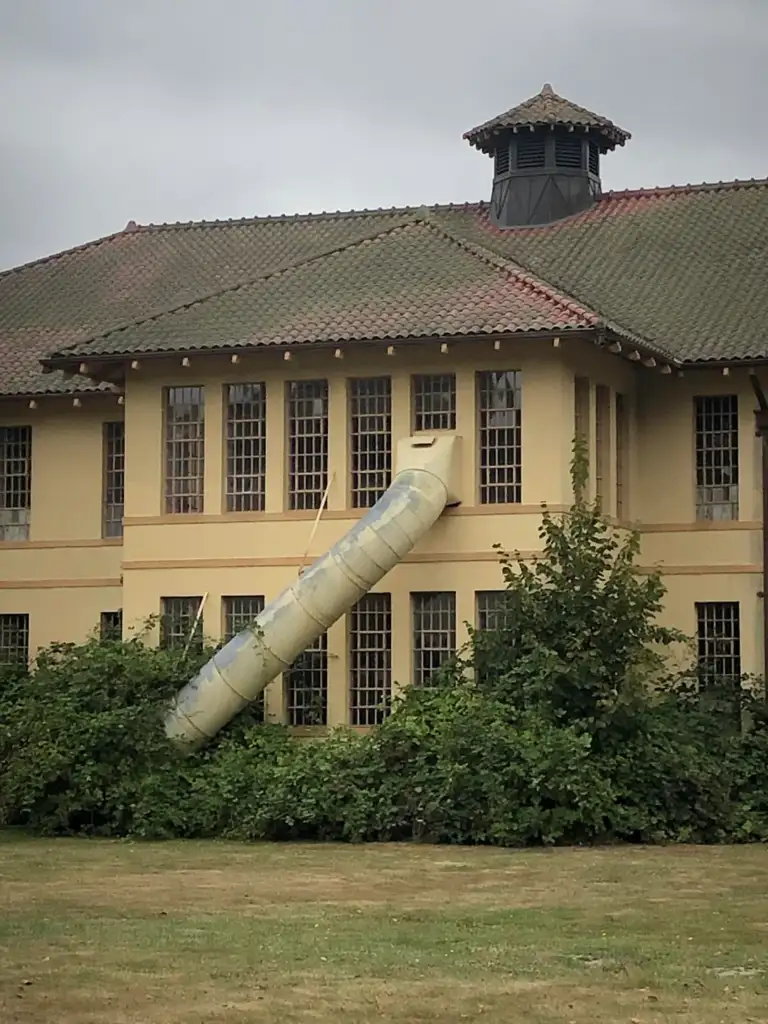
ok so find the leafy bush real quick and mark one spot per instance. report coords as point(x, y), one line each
point(563, 723)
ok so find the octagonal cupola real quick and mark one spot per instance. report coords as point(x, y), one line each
point(546, 159)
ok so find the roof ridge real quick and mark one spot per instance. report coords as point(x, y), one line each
point(701, 186)
point(514, 269)
point(52, 257)
point(247, 282)
point(285, 218)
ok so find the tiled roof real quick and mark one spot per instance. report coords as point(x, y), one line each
point(411, 279)
point(546, 109)
point(685, 269)
point(681, 269)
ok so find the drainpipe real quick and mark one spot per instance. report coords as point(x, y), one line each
point(761, 431)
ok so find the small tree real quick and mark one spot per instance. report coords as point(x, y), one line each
point(578, 636)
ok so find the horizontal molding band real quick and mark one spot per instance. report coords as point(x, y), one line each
point(703, 526)
point(328, 515)
point(63, 584)
point(43, 545)
point(427, 558)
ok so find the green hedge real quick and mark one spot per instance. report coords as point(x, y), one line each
point(564, 724)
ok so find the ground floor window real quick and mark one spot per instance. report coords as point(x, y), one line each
point(180, 622)
point(718, 634)
point(14, 639)
point(306, 686)
point(239, 613)
point(434, 632)
point(370, 659)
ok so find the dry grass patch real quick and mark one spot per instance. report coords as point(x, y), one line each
point(181, 933)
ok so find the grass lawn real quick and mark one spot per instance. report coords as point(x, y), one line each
point(109, 932)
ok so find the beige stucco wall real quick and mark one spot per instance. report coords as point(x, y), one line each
point(65, 575)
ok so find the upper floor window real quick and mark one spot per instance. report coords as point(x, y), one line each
point(246, 413)
point(717, 457)
point(370, 659)
point(14, 639)
point(433, 397)
point(307, 443)
point(603, 446)
point(434, 632)
point(370, 414)
point(499, 437)
point(15, 482)
point(114, 479)
point(184, 449)
point(622, 458)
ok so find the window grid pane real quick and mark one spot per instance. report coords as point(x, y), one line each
point(306, 686)
point(434, 632)
point(491, 606)
point(371, 439)
point(111, 625)
point(500, 437)
point(717, 457)
point(184, 450)
point(15, 482)
point(239, 613)
point(622, 458)
point(602, 443)
point(177, 616)
point(14, 639)
point(434, 401)
point(370, 661)
point(307, 443)
point(719, 641)
point(246, 447)
point(114, 479)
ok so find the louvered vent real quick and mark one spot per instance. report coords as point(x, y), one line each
point(594, 159)
point(530, 152)
point(568, 152)
point(501, 160)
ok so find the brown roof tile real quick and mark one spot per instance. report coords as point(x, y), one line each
point(546, 109)
point(410, 280)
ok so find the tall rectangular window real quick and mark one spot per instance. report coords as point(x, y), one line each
point(14, 639)
point(111, 625)
point(307, 443)
point(433, 398)
point(718, 634)
point(114, 479)
point(178, 616)
point(717, 457)
point(434, 632)
point(370, 659)
point(622, 459)
point(246, 433)
point(581, 416)
point(370, 414)
point(603, 445)
point(306, 686)
point(184, 449)
point(500, 437)
point(15, 482)
point(240, 612)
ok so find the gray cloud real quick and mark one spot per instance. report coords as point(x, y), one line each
point(187, 109)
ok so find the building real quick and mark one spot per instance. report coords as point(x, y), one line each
point(197, 410)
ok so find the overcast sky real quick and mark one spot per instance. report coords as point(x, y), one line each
point(165, 110)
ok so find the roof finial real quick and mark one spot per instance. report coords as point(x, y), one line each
point(547, 90)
